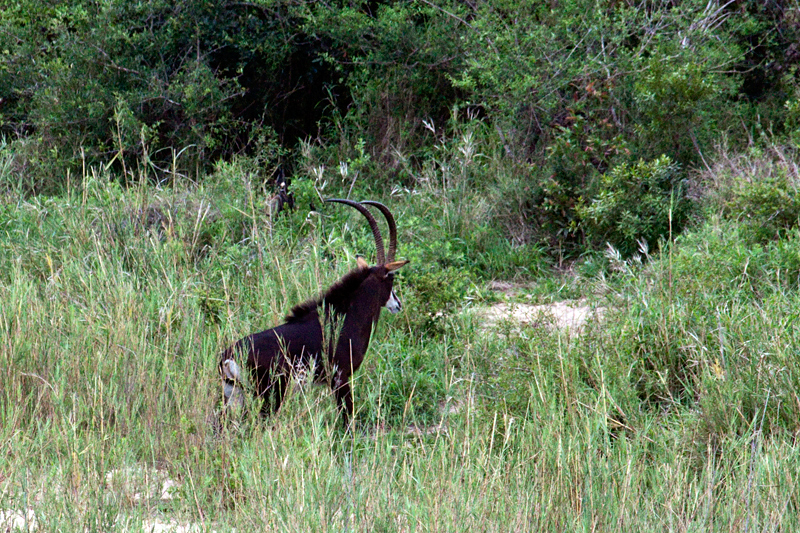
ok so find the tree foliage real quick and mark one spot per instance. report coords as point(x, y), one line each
point(570, 90)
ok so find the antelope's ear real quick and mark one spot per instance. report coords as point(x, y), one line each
point(361, 262)
point(394, 265)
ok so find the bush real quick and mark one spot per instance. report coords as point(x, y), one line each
point(434, 293)
point(759, 189)
point(398, 59)
point(768, 207)
point(158, 87)
point(645, 201)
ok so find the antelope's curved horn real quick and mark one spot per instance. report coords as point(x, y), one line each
point(381, 256)
point(392, 227)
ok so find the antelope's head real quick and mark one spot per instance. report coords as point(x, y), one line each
point(386, 262)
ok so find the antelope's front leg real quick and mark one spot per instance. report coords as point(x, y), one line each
point(344, 397)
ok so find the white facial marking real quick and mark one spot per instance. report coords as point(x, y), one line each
point(393, 304)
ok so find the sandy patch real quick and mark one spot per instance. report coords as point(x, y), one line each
point(568, 316)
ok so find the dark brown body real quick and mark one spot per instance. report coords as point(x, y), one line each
point(330, 335)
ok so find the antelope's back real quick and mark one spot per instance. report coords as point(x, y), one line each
point(284, 345)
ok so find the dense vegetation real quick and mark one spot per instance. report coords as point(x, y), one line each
point(574, 99)
point(638, 158)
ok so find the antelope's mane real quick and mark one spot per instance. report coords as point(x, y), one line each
point(336, 298)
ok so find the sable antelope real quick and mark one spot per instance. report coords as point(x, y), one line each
point(338, 324)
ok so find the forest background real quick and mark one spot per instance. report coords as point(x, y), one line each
point(638, 158)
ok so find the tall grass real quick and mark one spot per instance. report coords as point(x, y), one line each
point(677, 413)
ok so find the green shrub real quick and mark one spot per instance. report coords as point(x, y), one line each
point(433, 293)
point(644, 201)
point(678, 101)
point(792, 120)
point(768, 208)
point(759, 190)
